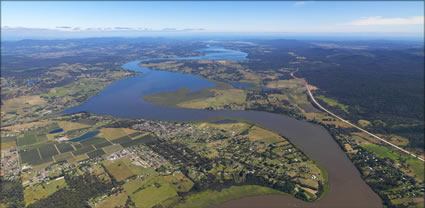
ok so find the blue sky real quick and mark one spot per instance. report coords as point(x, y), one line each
point(259, 17)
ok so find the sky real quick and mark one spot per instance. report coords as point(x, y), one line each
point(136, 17)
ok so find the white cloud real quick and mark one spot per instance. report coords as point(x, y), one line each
point(417, 20)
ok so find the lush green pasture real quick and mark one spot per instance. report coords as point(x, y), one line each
point(115, 200)
point(32, 194)
point(333, 102)
point(118, 169)
point(417, 167)
point(155, 192)
point(414, 165)
point(137, 170)
point(179, 182)
point(381, 151)
point(133, 185)
point(209, 198)
point(56, 92)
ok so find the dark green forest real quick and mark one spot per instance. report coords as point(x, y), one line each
point(379, 80)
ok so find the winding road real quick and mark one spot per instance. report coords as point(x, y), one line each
point(349, 123)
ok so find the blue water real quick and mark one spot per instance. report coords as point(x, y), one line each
point(124, 98)
point(85, 136)
point(56, 131)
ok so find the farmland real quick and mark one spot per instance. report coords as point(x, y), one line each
point(43, 190)
point(118, 169)
point(210, 198)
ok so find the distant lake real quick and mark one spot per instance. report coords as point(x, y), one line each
point(85, 136)
point(56, 131)
point(123, 99)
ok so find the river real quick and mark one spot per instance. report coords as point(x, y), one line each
point(123, 99)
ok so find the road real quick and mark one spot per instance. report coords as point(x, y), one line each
point(349, 123)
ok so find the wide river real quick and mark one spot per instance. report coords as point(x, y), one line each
point(124, 99)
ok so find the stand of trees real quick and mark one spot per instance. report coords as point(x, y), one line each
point(11, 193)
point(80, 189)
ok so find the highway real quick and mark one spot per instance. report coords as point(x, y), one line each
point(349, 123)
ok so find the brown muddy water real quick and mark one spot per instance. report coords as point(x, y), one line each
point(123, 99)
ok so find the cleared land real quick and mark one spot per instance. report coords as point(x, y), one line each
point(113, 133)
point(210, 198)
point(332, 102)
point(155, 192)
point(118, 169)
point(44, 190)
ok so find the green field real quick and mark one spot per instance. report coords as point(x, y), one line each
point(381, 151)
point(30, 156)
point(101, 145)
point(179, 182)
point(115, 200)
point(57, 92)
point(118, 169)
point(333, 102)
point(209, 198)
point(121, 140)
point(64, 147)
point(141, 140)
point(77, 146)
point(93, 140)
point(133, 185)
point(83, 150)
point(155, 192)
point(63, 156)
point(36, 136)
point(8, 139)
point(41, 137)
point(112, 148)
point(95, 153)
point(27, 139)
point(137, 170)
point(47, 150)
point(32, 194)
point(415, 165)
point(171, 99)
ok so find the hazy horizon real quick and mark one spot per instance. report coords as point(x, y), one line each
point(57, 20)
